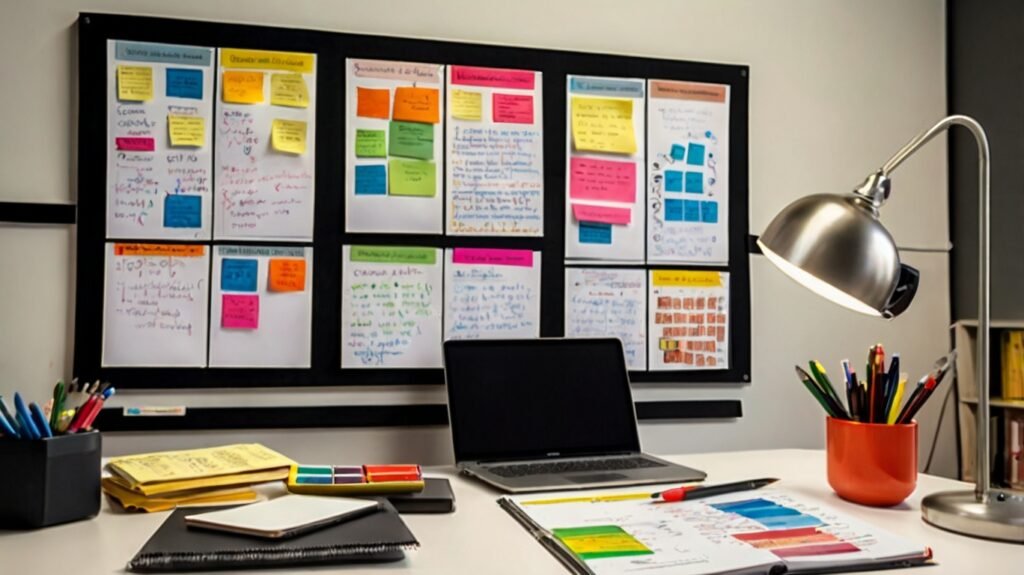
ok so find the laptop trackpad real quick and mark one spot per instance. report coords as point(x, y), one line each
point(596, 477)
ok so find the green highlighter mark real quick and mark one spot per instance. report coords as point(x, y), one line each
point(600, 542)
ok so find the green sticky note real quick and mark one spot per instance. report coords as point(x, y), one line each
point(412, 178)
point(370, 144)
point(412, 140)
point(393, 255)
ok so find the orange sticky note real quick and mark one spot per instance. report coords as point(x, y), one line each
point(417, 105)
point(243, 87)
point(287, 275)
point(373, 103)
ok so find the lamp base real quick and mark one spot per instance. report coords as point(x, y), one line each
point(1001, 517)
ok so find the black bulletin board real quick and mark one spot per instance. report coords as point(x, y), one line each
point(332, 49)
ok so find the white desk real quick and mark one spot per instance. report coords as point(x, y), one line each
point(481, 538)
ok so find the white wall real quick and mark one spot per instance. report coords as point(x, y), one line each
point(836, 86)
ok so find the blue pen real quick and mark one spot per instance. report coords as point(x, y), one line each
point(26, 418)
point(40, 420)
point(5, 427)
point(5, 413)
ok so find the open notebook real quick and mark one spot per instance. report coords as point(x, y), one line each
point(764, 531)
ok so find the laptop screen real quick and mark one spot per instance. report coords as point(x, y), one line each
point(537, 398)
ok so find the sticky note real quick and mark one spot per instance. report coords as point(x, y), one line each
point(186, 130)
point(691, 211)
point(600, 542)
point(134, 83)
point(240, 311)
point(411, 140)
point(605, 180)
point(393, 255)
point(289, 90)
point(512, 108)
point(163, 250)
point(412, 178)
point(493, 77)
point(696, 157)
point(673, 210)
point(683, 278)
point(184, 83)
point(135, 144)
point(371, 180)
point(496, 257)
point(371, 144)
point(243, 87)
point(373, 103)
point(678, 150)
point(709, 212)
point(287, 275)
point(695, 182)
point(603, 125)
point(466, 105)
point(288, 136)
point(183, 211)
point(595, 233)
point(602, 214)
point(267, 60)
point(417, 105)
point(673, 181)
point(238, 274)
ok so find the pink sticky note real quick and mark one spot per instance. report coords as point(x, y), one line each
point(135, 144)
point(493, 77)
point(605, 180)
point(240, 311)
point(602, 214)
point(512, 109)
point(493, 257)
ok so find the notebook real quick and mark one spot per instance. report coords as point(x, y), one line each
point(380, 536)
point(286, 516)
point(436, 497)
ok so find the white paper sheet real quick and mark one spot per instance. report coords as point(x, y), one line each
point(155, 303)
point(257, 322)
point(688, 320)
point(391, 307)
point(155, 189)
point(495, 152)
point(491, 293)
point(608, 302)
point(688, 172)
point(263, 193)
point(376, 208)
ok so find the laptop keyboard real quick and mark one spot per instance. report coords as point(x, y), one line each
point(557, 467)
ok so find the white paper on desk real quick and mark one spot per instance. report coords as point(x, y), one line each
point(491, 293)
point(688, 320)
point(156, 190)
point(155, 303)
point(609, 302)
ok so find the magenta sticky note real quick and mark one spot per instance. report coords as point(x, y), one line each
point(135, 144)
point(240, 311)
point(512, 109)
point(602, 214)
point(494, 257)
point(604, 180)
point(493, 77)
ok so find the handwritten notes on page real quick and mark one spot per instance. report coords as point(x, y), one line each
point(608, 302)
point(393, 147)
point(688, 172)
point(261, 306)
point(495, 152)
point(159, 155)
point(605, 155)
point(391, 307)
point(266, 145)
point(155, 305)
point(491, 293)
point(688, 320)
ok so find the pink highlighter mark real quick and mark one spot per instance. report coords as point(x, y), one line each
point(602, 214)
point(604, 180)
point(240, 311)
point(512, 109)
point(493, 77)
point(135, 144)
point(494, 257)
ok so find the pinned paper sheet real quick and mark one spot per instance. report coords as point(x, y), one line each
point(371, 144)
point(183, 211)
point(240, 311)
point(135, 144)
point(512, 108)
point(417, 105)
point(604, 180)
point(289, 136)
point(287, 275)
point(603, 125)
point(466, 105)
point(184, 83)
point(602, 214)
point(497, 257)
point(411, 140)
point(373, 103)
point(412, 178)
point(186, 130)
point(134, 83)
point(238, 274)
point(288, 90)
point(491, 293)
point(243, 87)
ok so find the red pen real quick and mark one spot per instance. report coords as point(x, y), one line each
point(699, 491)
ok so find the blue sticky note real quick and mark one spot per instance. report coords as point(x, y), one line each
point(696, 157)
point(673, 181)
point(183, 83)
point(183, 211)
point(673, 210)
point(677, 152)
point(709, 212)
point(595, 233)
point(371, 180)
point(691, 211)
point(695, 182)
point(238, 274)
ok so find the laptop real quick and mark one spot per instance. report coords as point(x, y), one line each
point(548, 414)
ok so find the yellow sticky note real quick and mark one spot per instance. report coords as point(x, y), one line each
point(134, 83)
point(186, 130)
point(466, 105)
point(243, 87)
point(289, 136)
point(683, 278)
point(603, 125)
point(288, 90)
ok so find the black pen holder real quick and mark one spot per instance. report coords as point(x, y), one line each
point(49, 481)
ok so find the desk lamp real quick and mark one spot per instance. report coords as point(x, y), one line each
point(836, 246)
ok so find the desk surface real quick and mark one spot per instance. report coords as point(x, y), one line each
point(481, 537)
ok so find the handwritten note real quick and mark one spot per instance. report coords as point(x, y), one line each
point(410, 140)
point(512, 108)
point(238, 274)
point(417, 105)
point(184, 83)
point(289, 90)
point(371, 144)
point(373, 103)
point(688, 320)
point(609, 303)
point(289, 136)
point(243, 87)
point(412, 178)
point(240, 311)
point(492, 293)
point(287, 275)
point(602, 214)
point(466, 105)
point(187, 131)
point(134, 83)
point(603, 180)
point(603, 125)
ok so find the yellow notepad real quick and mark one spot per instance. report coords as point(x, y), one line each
point(199, 464)
point(134, 501)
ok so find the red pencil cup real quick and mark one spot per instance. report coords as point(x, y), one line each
point(871, 463)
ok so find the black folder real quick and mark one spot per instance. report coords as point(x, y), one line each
point(436, 497)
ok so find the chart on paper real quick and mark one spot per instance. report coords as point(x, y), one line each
point(688, 320)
